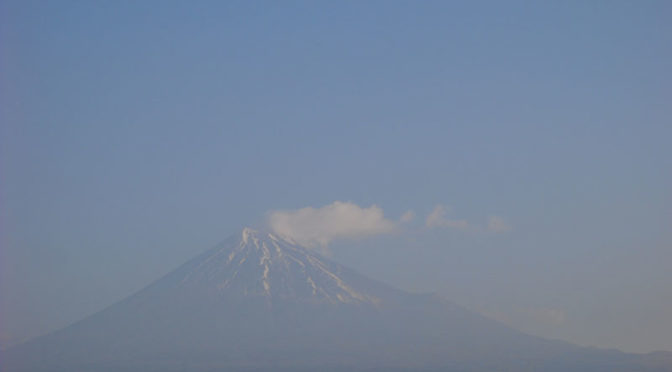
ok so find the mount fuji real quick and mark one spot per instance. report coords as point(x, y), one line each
point(260, 302)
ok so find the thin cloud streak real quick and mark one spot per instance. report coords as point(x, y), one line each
point(437, 218)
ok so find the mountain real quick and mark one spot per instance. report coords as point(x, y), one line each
point(259, 302)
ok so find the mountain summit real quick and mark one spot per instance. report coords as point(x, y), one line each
point(260, 302)
point(265, 265)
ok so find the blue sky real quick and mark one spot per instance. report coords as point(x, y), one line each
point(135, 135)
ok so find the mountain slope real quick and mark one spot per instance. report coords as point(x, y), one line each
point(261, 302)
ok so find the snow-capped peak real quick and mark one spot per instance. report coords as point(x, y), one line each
point(264, 264)
point(247, 233)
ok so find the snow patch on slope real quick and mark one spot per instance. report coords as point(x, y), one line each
point(264, 264)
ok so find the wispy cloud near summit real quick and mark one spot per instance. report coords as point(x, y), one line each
point(316, 227)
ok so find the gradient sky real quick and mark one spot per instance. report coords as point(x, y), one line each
point(135, 135)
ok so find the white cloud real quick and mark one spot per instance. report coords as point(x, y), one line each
point(497, 224)
point(316, 227)
point(437, 218)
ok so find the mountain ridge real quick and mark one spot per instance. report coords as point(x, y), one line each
point(260, 301)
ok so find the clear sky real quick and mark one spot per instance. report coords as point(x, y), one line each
point(135, 135)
